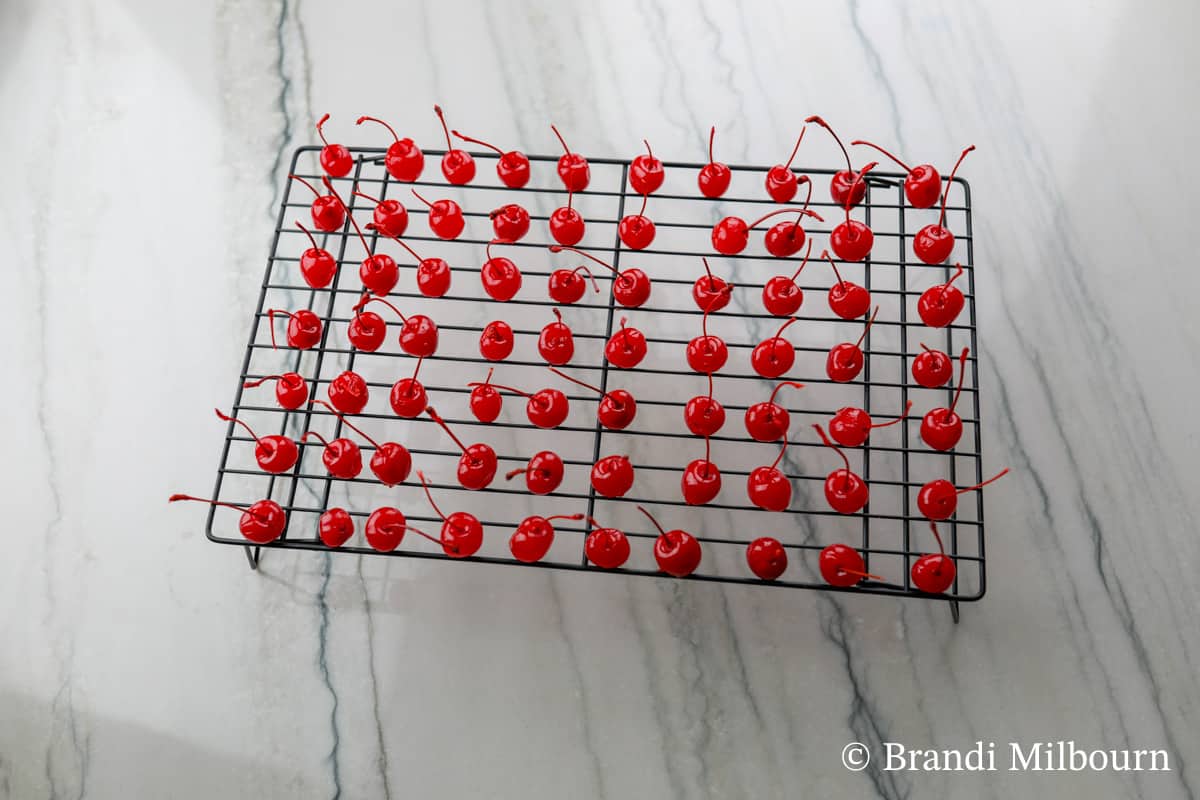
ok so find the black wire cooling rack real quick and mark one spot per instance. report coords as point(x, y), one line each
point(889, 532)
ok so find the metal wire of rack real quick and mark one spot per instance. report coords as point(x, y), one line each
point(893, 461)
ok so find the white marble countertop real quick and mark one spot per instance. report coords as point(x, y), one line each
point(146, 145)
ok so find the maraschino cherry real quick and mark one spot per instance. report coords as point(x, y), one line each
point(703, 414)
point(262, 522)
point(637, 230)
point(274, 453)
point(510, 222)
point(701, 481)
point(923, 184)
point(341, 457)
point(335, 158)
point(566, 224)
point(774, 356)
point(938, 499)
point(784, 239)
point(934, 243)
point(714, 177)
point(781, 295)
point(709, 291)
point(485, 402)
point(547, 408)
point(457, 165)
point(942, 428)
point(617, 407)
point(612, 476)
point(566, 286)
point(934, 573)
point(607, 548)
point(631, 287)
point(781, 181)
point(844, 490)
point(626, 348)
point(378, 271)
point(556, 344)
point(348, 392)
point(433, 274)
point(390, 462)
point(367, 329)
point(677, 552)
point(573, 168)
point(842, 186)
point(767, 487)
point(842, 565)
point(846, 299)
point(303, 329)
point(940, 305)
point(534, 536)
point(646, 172)
point(291, 390)
point(706, 354)
point(852, 240)
point(846, 360)
point(461, 534)
point(500, 277)
point(731, 235)
point(769, 422)
point(418, 333)
point(477, 465)
point(385, 529)
point(766, 558)
point(851, 426)
point(408, 397)
point(512, 167)
point(496, 341)
point(335, 527)
point(932, 368)
point(317, 265)
point(543, 473)
point(328, 213)
point(445, 217)
point(404, 161)
point(389, 216)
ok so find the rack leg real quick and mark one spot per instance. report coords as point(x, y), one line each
point(253, 553)
point(954, 611)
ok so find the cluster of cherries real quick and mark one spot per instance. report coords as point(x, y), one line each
point(677, 552)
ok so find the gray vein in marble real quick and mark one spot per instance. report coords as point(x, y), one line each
point(657, 703)
point(380, 739)
point(333, 756)
point(281, 101)
point(881, 75)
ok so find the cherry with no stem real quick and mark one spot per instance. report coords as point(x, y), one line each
point(543, 474)
point(303, 328)
point(477, 465)
point(631, 287)
point(317, 265)
point(612, 476)
point(843, 186)
point(626, 348)
point(433, 274)
point(781, 295)
point(573, 168)
point(851, 425)
point(534, 535)
point(940, 305)
point(335, 527)
point(637, 230)
point(462, 534)
point(703, 414)
point(291, 390)
point(934, 243)
point(348, 392)
point(404, 161)
point(328, 213)
point(766, 558)
point(261, 522)
point(445, 217)
point(457, 165)
point(851, 239)
point(714, 177)
point(274, 453)
point(335, 158)
point(845, 491)
point(845, 361)
point(408, 397)
point(496, 340)
point(391, 461)
point(607, 548)
point(938, 499)
point(500, 277)
point(676, 551)
point(707, 353)
point(768, 421)
point(512, 167)
point(617, 407)
point(941, 428)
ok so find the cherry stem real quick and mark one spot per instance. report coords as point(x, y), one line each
point(260, 381)
point(903, 166)
point(860, 575)
point(420, 532)
point(227, 418)
point(316, 436)
point(425, 486)
point(558, 248)
point(825, 125)
point(583, 268)
point(349, 215)
point(937, 536)
point(592, 521)
point(707, 454)
point(570, 199)
point(804, 263)
point(825, 255)
point(708, 309)
point(571, 517)
point(442, 118)
point(795, 149)
point(245, 510)
point(391, 130)
point(371, 226)
point(422, 199)
point(712, 281)
point(800, 211)
point(320, 132)
point(712, 133)
point(866, 328)
point(962, 374)
point(311, 188)
point(992, 479)
point(442, 424)
point(566, 149)
point(783, 327)
point(412, 386)
point(949, 181)
point(317, 247)
point(642, 211)
point(808, 198)
point(857, 180)
point(478, 141)
point(653, 521)
point(365, 196)
point(925, 347)
point(492, 332)
point(710, 392)
point(821, 432)
point(348, 423)
point(780, 385)
point(271, 312)
point(782, 450)
point(625, 335)
point(907, 408)
point(370, 298)
point(498, 386)
point(578, 382)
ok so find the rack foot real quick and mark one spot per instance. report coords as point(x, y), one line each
point(253, 553)
point(954, 611)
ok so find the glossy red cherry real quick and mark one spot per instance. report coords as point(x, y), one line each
point(433, 274)
point(677, 552)
point(626, 348)
point(274, 453)
point(940, 305)
point(573, 168)
point(846, 299)
point(851, 426)
point(445, 217)
point(328, 213)
point(461, 535)
point(775, 356)
point(784, 239)
point(261, 522)
point(303, 329)
point(556, 344)
point(385, 529)
point(703, 414)
point(335, 158)
point(408, 397)
point(637, 230)
point(617, 407)
point(923, 185)
point(941, 428)
point(844, 490)
point(510, 222)
point(714, 177)
point(389, 216)
point(842, 186)
point(612, 476)
point(404, 161)
point(852, 240)
point(845, 361)
point(842, 565)
point(291, 390)
point(934, 573)
point(348, 392)
point(566, 224)
point(769, 422)
point(367, 329)
point(496, 341)
point(766, 558)
point(631, 287)
point(566, 286)
point(767, 487)
point(706, 354)
point(607, 548)
point(335, 527)
point(391, 461)
point(533, 537)
point(710, 291)
point(512, 166)
point(485, 401)
point(477, 465)
point(701, 481)
point(932, 368)
point(547, 408)
point(341, 457)
point(543, 473)
point(378, 271)
point(646, 172)
point(781, 295)
point(781, 181)
point(731, 235)
point(938, 499)
point(934, 243)
point(500, 277)
point(418, 333)
point(317, 265)
point(457, 165)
